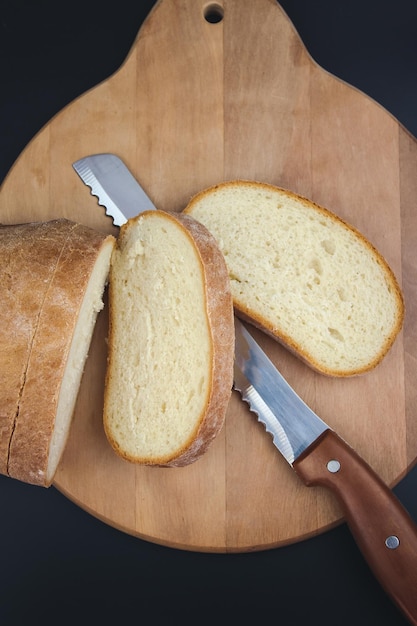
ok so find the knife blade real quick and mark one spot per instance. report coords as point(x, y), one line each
point(381, 526)
point(115, 187)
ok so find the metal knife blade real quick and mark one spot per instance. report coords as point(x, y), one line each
point(292, 424)
point(115, 187)
point(383, 529)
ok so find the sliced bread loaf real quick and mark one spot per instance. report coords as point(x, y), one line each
point(171, 341)
point(52, 277)
point(303, 275)
point(25, 278)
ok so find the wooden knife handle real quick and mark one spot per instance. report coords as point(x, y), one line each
point(382, 528)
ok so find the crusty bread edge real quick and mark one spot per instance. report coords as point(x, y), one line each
point(244, 313)
point(219, 310)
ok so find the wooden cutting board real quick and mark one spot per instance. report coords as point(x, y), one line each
point(196, 103)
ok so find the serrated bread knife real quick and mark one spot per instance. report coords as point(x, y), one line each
point(383, 530)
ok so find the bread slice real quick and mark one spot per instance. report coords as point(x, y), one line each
point(171, 341)
point(303, 275)
point(52, 276)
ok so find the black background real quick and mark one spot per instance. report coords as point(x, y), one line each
point(58, 564)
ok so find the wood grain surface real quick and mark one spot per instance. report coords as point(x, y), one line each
point(196, 103)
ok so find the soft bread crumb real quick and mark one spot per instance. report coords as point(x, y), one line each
point(304, 275)
point(164, 348)
point(91, 305)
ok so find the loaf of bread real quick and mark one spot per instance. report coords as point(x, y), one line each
point(171, 341)
point(303, 275)
point(52, 278)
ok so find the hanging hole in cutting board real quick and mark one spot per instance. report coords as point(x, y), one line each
point(213, 13)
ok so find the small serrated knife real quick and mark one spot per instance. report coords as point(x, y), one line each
point(383, 530)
